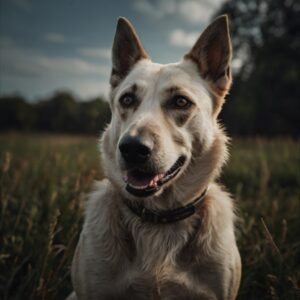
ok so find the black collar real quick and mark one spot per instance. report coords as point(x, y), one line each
point(166, 216)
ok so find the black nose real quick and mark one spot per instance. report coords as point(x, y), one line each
point(135, 150)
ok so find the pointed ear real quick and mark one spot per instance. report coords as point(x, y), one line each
point(212, 54)
point(127, 50)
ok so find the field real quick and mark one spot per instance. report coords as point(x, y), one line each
point(43, 181)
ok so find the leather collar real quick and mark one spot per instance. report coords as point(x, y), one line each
point(166, 216)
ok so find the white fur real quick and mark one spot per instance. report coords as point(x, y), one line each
point(121, 257)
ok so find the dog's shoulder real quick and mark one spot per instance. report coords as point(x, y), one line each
point(98, 203)
point(221, 202)
point(222, 212)
point(217, 223)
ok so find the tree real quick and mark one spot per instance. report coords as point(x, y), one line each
point(57, 113)
point(266, 93)
point(62, 112)
point(16, 114)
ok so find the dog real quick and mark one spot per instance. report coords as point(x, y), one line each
point(159, 226)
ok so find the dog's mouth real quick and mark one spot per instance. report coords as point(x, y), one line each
point(142, 184)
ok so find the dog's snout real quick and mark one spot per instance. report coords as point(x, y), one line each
point(135, 150)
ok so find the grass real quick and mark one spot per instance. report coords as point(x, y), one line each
point(43, 182)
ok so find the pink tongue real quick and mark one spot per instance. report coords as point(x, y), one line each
point(141, 180)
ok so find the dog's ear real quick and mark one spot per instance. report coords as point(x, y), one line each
point(126, 51)
point(212, 54)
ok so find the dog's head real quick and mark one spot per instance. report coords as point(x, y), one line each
point(164, 117)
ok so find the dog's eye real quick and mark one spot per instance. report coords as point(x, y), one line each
point(127, 100)
point(180, 102)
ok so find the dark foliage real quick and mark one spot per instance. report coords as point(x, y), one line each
point(60, 113)
point(266, 91)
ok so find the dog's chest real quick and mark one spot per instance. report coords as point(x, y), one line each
point(155, 272)
point(160, 282)
point(155, 267)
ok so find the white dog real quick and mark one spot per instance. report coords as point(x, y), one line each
point(159, 227)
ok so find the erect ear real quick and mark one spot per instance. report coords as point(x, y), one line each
point(127, 50)
point(212, 54)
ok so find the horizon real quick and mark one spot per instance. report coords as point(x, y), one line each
point(66, 46)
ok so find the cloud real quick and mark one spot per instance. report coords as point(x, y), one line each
point(34, 73)
point(96, 52)
point(55, 38)
point(195, 11)
point(146, 7)
point(158, 9)
point(5, 41)
point(191, 11)
point(24, 5)
point(180, 38)
point(69, 65)
point(25, 62)
point(236, 64)
point(90, 88)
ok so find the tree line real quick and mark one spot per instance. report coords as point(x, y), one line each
point(264, 99)
point(61, 112)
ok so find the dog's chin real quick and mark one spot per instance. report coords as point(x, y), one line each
point(141, 184)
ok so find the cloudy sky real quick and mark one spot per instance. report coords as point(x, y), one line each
point(48, 45)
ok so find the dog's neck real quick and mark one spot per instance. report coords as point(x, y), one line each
point(166, 216)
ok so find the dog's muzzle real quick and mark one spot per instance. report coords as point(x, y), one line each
point(141, 181)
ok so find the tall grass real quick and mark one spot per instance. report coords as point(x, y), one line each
point(264, 177)
point(43, 182)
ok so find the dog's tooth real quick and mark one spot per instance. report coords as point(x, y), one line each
point(138, 187)
point(153, 182)
point(159, 177)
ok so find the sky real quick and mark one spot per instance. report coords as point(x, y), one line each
point(51, 45)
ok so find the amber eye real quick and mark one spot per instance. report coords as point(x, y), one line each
point(127, 100)
point(181, 102)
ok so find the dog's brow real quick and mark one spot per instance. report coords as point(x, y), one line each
point(132, 89)
point(173, 90)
